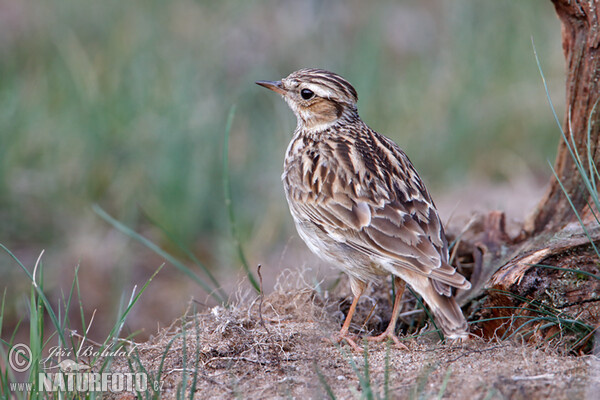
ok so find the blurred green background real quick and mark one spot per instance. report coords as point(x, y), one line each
point(124, 104)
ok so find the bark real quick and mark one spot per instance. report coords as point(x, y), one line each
point(581, 46)
point(551, 269)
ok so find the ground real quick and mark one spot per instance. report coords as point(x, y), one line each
point(278, 348)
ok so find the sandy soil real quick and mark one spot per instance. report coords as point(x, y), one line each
point(280, 350)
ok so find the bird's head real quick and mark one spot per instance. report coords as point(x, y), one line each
point(319, 98)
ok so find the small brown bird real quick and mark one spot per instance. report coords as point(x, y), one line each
point(359, 203)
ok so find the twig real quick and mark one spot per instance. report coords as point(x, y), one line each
point(202, 375)
point(474, 351)
point(246, 359)
point(364, 325)
point(530, 378)
point(262, 294)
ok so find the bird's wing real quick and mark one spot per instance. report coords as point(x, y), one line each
point(377, 205)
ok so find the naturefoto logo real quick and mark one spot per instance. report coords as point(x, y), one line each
point(71, 376)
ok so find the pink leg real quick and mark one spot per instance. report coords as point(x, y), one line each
point(357, 288)
point(390, 331)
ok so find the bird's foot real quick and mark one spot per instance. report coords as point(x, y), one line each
point(349, 338)
point(388, 335)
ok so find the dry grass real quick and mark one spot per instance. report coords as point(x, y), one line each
point(240, 352)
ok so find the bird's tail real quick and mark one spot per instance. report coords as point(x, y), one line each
point(448, 315)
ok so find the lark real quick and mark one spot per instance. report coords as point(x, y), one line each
point(358, 202)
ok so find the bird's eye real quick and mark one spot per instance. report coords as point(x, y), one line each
point(306, 94)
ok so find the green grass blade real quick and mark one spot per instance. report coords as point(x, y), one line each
point(67, 304)
point(2, 310)
point(522, 326)
point(149, 393)
point(323, 382)
point(593, 212)
point(6, 375)
point(386, 373)
point(36, 325)
point(40, 293)
point(444, 383)
point(537, 59)
point(591, 164)
point(81, 312)
point(553, 318)
point(229, 202)
point(149, 244)
point(196, 357)
point(187, 252)
point(429, 315)
point(368, 389)
point(587, 181)
point(576, 213)
point(533, 310)
point(574, 326)
point(581, 339)
point(576, 271)
point(121, 320)
point(184, 355)
point(364, 384)
point(419, 389)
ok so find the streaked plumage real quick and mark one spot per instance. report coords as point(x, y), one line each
point(358, 202)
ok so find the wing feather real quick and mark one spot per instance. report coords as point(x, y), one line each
point(376, 204)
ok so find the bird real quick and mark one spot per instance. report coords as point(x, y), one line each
point(358, 203)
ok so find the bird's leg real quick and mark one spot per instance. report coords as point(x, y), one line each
point(357, 289)
point(390, 332)
point(343, 334)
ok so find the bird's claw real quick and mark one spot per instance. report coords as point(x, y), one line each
point(349, 338)
point(388, 335)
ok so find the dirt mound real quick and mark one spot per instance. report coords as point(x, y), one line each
point(278, 348)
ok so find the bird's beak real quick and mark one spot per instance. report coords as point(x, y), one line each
point(275, 86)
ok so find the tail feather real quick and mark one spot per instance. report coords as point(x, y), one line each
point(447, 275)
point(447, 313)
point(448, 316)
